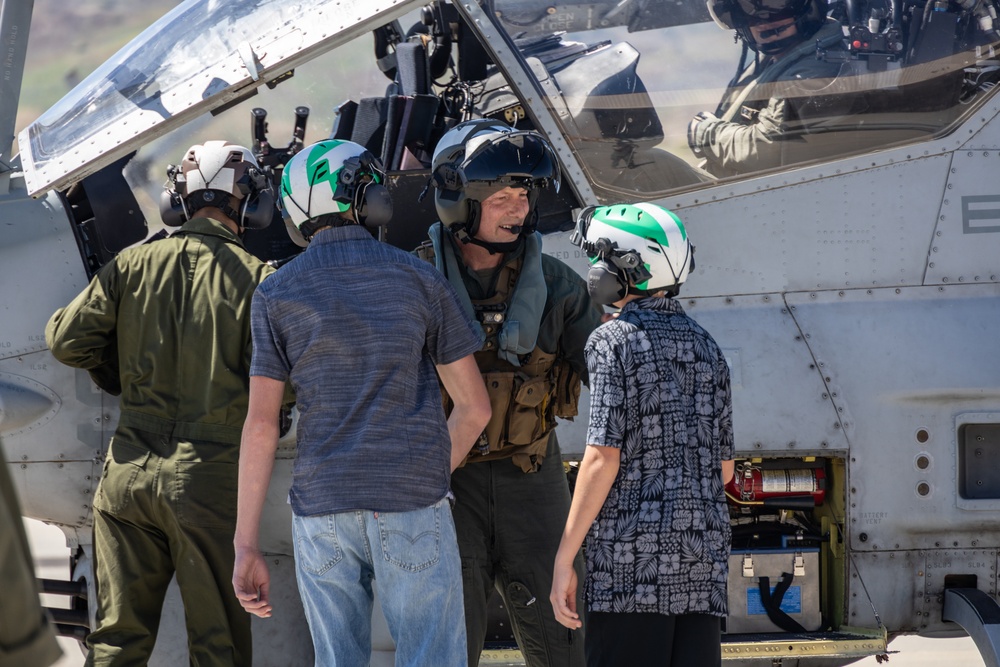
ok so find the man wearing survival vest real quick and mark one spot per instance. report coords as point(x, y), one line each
point(512, 497)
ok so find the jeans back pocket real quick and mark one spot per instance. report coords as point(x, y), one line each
point(317, 548)
point(411, 540)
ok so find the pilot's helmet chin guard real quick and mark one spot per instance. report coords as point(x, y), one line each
point(221, 175)
point(333, 183)
point(637, 249)
point(738, 15)
point(480, 157)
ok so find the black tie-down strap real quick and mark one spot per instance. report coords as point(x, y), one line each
point(772, 602)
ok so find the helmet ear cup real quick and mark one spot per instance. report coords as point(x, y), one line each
point(530, 222)
point(605, 283)
point(257, 212)
point(373, 205)
point(173, 211)
point(257, 208)
point(450, 200)
point(475, 214)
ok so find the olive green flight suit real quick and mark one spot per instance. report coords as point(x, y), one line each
point(783, 111)
point(168, 325)
point(26, 636)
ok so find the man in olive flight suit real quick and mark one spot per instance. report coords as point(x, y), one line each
point(167, 326)
point(772, 114)
point(512, 497)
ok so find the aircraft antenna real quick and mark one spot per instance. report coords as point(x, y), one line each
point(878, 619)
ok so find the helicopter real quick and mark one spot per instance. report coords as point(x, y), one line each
point(852, 282)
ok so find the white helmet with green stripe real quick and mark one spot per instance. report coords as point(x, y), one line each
point(330, 178)
point(634, 249)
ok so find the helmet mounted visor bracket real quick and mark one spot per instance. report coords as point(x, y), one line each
point(627, 262)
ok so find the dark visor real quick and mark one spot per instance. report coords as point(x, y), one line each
point(517, 158)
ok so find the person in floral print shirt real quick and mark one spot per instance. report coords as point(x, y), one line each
point(660, 449)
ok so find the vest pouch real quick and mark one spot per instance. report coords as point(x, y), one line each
point(519, 407)
point(567, 394)
point(528, 421)
point(500, 387)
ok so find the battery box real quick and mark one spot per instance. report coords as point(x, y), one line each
point(747, 612)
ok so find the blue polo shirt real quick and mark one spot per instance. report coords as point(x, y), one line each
point(357, 326)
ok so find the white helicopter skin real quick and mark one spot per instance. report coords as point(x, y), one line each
point(853, 287)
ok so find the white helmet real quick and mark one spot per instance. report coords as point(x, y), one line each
point(222, 175)
point(331, 177)
point(634, 249)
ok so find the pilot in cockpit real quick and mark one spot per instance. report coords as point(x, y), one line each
point(771, 108)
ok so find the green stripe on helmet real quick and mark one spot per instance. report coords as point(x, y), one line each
point(628, 219)
point(645, 283)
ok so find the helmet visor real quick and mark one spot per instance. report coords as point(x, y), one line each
point(516, 159)
point(759, 11)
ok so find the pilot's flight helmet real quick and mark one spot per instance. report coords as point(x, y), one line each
point(329, 178)
point(477, 158)
point(222, 175)
point(633, 249)
point(737, 15)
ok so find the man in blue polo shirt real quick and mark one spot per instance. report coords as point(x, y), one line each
point(359, 328)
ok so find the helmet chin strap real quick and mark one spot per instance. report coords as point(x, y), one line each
point(494, 248)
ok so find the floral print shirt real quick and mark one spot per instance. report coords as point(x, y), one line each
point(660, 393)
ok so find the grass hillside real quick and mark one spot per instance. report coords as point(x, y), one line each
point(68, 40)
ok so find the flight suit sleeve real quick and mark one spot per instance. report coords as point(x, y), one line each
point(84, 333)
point(737, 148)
point(768, 134)
point(582, 316)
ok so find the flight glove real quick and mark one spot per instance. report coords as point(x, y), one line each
point(694, 141)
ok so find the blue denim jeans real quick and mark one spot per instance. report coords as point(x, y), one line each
point(412, 557)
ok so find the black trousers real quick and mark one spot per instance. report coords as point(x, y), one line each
point(509, 524)
point(653, 640)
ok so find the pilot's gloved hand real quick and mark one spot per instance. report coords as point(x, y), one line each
point(694, 138)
